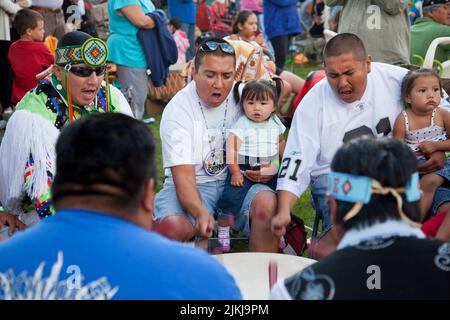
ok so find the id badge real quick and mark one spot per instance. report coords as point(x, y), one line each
point(214, 163)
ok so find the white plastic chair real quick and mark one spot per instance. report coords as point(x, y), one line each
point(328, 34)
point(429, 57)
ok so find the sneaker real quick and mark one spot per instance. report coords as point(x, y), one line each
point(224, 239)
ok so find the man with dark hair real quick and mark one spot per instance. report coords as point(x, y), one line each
point(74, 88)
point(193, 133)
point(435, 23)
point(99, 244)
point(374, 195)
point(357, 97)
point(336, 48)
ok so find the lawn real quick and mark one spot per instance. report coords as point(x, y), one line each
point(302, 208)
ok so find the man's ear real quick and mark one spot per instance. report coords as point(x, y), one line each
point(369, 63)
point(59, 73)
point(194, 71)
point(148, 198)
point(146, 205)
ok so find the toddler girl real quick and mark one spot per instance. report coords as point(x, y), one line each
point(424, 126)
point(254, 146)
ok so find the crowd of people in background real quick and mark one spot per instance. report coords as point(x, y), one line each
point(368, 139)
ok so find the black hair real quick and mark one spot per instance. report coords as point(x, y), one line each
point(387, 160)
point(344, 43)
point(241, 18)
point(74, 38)
point(219, 53)
point(413, 75)
point(110, 149)
point(259, 89)
point(175, 21)
point(26, 19)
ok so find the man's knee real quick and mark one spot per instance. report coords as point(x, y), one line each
point(263, 206)
point(431, 182)
point(175, 227)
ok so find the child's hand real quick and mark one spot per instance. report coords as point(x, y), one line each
point(237, 179)
point(428, 147)
point(268, 169)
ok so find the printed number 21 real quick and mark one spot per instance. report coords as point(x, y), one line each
point(285, 168)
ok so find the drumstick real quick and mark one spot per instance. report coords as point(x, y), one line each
point(44, 73)
point(273, 273)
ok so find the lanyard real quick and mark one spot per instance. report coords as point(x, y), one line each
point(210, 140)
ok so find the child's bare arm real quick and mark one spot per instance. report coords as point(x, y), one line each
point(233, 144)
point(399, 127)
point(281, 146)
point(429, 147)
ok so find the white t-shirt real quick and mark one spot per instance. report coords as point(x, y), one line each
point(323, 121)
point(184, 135)
point(258, 139)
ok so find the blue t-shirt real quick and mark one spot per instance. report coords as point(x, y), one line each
point(185, 10)
point(124, 47)
point(87, 255)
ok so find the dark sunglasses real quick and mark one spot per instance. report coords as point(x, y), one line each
point(210, 46)
point(86, 72)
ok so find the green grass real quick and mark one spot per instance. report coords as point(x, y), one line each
point(302, 209)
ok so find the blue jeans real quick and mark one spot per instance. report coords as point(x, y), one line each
point(189, 29)
point(441, 196)
point(233, 197)
point(319, 200)
point(167, 204)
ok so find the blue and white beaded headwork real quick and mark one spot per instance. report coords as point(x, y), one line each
point(93, 52)
point(359, 190)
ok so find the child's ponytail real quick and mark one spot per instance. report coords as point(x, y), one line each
point(237, 92)
point(278, 86)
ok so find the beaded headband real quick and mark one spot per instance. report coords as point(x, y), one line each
point(359, 190)
point(93, 52)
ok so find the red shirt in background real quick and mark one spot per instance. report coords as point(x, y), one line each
point(27, 59)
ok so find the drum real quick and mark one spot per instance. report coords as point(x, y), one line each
point(175, 82)
point(251, 270)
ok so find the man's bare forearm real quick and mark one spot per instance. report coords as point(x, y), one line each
point(286, 202)
point(186, 189)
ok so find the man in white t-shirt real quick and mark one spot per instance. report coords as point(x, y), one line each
point(193, 132)
point(357, 97)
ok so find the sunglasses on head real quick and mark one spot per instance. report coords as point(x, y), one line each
point(210, 46)
point(86, 71)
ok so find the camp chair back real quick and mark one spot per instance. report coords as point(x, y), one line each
point(429, 57)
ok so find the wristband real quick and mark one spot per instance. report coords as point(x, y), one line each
point(277, 163)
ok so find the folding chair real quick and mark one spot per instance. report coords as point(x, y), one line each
point(429, 57)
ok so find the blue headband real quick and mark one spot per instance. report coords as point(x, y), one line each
point(351, 188)
point(359, 190)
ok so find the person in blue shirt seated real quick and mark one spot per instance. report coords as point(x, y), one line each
point(99, 244)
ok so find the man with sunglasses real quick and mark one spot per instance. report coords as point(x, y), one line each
point(193, 133)
point(77, 86)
